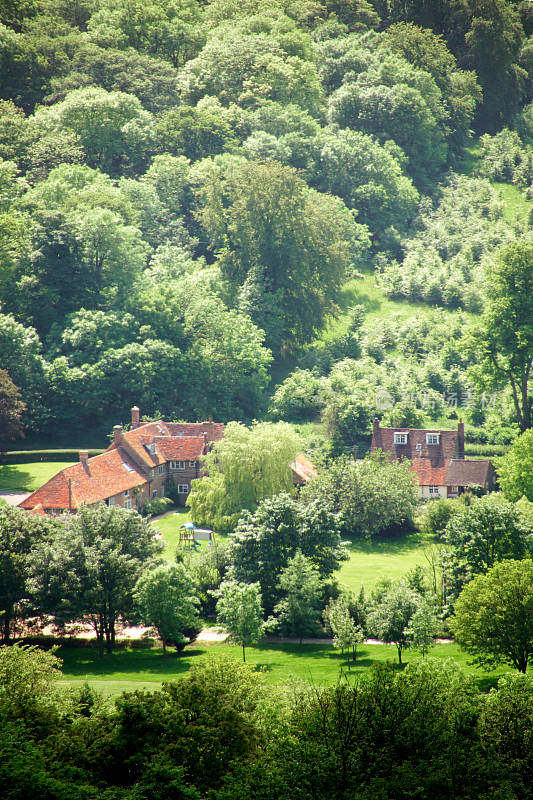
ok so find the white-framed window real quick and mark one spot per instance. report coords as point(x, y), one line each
point(454, 489)
point(432, 438)
point(127, 493)
point(161, 469)
point(433, 491)
point(110, 501)
point(177, 465)
point(192, 463)
point(127, 503)
point(183, 488)
point(400, 438)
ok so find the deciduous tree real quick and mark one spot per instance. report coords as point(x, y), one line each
point(239, 609)
point(503, 339)
point(246, 466)
point(494, 615)
point(165, 599)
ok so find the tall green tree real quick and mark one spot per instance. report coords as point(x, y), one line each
point(298, 612)
point(494, 615)
point(246, 466)
point(11, 410)
point(20, 534)
point(165, 599)
point(264, 542)
point(89, 570)
point(239, 610)
point(515, 469)
point(479, 535)
point(285, 250)
point(503, 339)
point(112, 126)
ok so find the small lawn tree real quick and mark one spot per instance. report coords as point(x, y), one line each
point(298, 613)
point(423, 627)
point(494, 615)
point(346, 633)
point(392, 615)
point(239, 609)
point(165, 599)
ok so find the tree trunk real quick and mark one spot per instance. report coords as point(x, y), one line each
point(99, 627)
point(6, 625)
point(243, 654)
point(164, 647)
point(522, 662)
point(399, 648)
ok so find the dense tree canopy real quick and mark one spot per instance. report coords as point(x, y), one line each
point(279, 147)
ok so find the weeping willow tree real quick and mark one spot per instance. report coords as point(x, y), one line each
point(247, 465)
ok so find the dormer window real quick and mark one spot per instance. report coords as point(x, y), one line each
point(151, 449)
point(432, 438)
point(400, 438)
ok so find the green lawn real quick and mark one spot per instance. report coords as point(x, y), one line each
point(382, 558)
point(28, 477)
point(320, 664)
point(369, 560)
point(169, 526)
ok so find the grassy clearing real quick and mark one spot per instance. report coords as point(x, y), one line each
point(516, 205)
point(319, 664)
point(169, 526)
point(370, 561)
point(28, 477)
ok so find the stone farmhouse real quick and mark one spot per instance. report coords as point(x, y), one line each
point(437, 459)
point(137, 467)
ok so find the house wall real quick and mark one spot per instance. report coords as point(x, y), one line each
point(424, 491)
point(184, 477)
point(138, 496)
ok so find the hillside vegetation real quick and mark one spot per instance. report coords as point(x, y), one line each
point(234, 210)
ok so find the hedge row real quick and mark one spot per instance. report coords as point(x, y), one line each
point(487, 450)
point(29, 456)
point(76, 642)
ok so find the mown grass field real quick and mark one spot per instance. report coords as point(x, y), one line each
point(393, 557)
point(318, 664)
point(28, 477)
point(369, 561)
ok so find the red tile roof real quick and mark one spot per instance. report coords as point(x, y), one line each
point(180, 448)
point(303, 469)
point(427, 474)
point(100, 477)
point(214, 430)
point(469, 473)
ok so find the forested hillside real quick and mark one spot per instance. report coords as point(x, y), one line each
point(285, 208)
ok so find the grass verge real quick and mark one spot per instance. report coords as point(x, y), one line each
point(320, 664)
point(28, 477)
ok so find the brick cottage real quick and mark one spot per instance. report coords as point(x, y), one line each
point(437, 458)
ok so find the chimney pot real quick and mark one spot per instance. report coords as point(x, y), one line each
point(461, 439)
point(135, 417)
point(117, 433)
point(84, 456)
